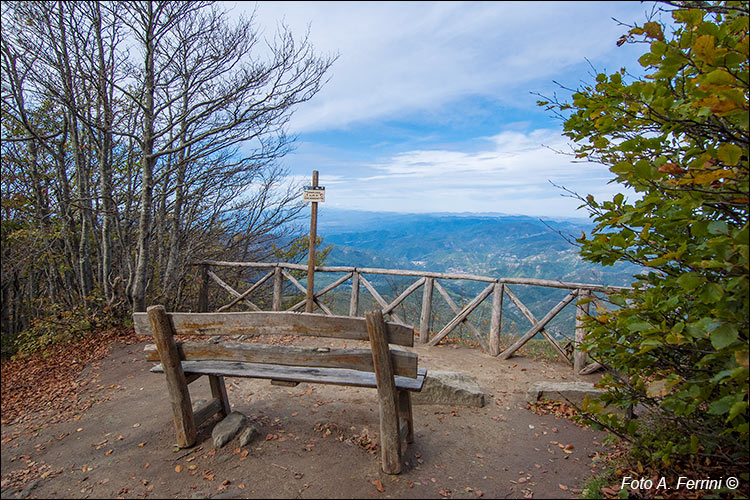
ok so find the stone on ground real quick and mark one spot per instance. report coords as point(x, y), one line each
point(452, 388)
point(225, 430)
point(247, 435)
point(574, 392)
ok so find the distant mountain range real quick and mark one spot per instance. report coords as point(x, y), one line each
point(493, 245)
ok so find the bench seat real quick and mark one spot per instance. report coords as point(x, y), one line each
point(335, 376)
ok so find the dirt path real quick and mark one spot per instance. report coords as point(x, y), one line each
point(316, 440)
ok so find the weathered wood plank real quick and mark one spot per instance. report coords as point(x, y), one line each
point(425, 318)
point(304, 290)
point(334, 376)
point(325, 290)
point(247, 293)
point(203, 291)
point(496, 322)
point(532, 319)
point(206, 411)
point(562, 284)
point(378, 298)
point(405, 413)
point(456, 309)
point(275, 323)
point(538, 326)
point(404, 362)
point(390, 442)
point(354, 299)
point(347, 269)
point(278, 281)
point(591, 368)
point(403, 295)
point(284, 383)
point(403, 434)
point(416, 274)
point(233, 292)
point(179, 396)
point(452, 324)
point(582, 311)
point(426, 274)
point(294, 282)
point(219, 392)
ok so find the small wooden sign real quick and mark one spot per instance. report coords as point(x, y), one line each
point(314, 193)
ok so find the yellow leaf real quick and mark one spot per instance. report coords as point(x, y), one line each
point(705, 48)
point(723, 107)
point(708, 177)
point(178, 468)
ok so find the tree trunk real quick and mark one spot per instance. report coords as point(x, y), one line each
point(147, 170)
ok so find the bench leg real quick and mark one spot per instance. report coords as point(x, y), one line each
point(219, 392)
point(390, 440)
point(404, 412)
point(179, 396)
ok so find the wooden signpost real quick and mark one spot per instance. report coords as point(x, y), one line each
point(314, 194)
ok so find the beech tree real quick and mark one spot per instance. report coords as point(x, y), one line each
point(677, 344)
point(137, 137)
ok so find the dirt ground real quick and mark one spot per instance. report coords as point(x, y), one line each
point(315, 440)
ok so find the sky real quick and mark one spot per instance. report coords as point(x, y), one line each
point(431, 107)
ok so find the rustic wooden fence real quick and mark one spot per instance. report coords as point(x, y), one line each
point(496, 289)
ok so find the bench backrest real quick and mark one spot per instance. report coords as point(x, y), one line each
point(282, 323)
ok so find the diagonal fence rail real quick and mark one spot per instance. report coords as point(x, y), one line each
point(496, 289)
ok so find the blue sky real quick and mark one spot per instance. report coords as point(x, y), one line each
point(429, 107)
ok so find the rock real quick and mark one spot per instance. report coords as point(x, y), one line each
point(574, 392)
point(225, 430)
point(247, 435)
point(27, 490)
point(452, 388)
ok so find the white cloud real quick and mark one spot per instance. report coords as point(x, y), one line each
point(398, 57)
point(512, 175)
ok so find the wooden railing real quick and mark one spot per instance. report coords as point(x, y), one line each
point(496, 288)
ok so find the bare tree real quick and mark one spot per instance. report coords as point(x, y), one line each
point(142, 124)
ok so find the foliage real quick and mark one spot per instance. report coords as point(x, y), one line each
point(58, 324)
point(677, 343)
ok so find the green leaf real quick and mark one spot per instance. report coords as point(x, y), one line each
point(721, 406)
point(723, 335)
point(690, 282)
point(730, 154)
point(712, 292)
point(736, 409)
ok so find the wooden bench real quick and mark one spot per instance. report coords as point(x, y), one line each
point(392, 371)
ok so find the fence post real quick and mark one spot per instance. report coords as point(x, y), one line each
point(425, 319)
point(354, 300)
point(582, 310)
point(497, 318)
point(277, 282)
point(203, 292)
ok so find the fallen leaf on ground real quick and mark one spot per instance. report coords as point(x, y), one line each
point(378, 484)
